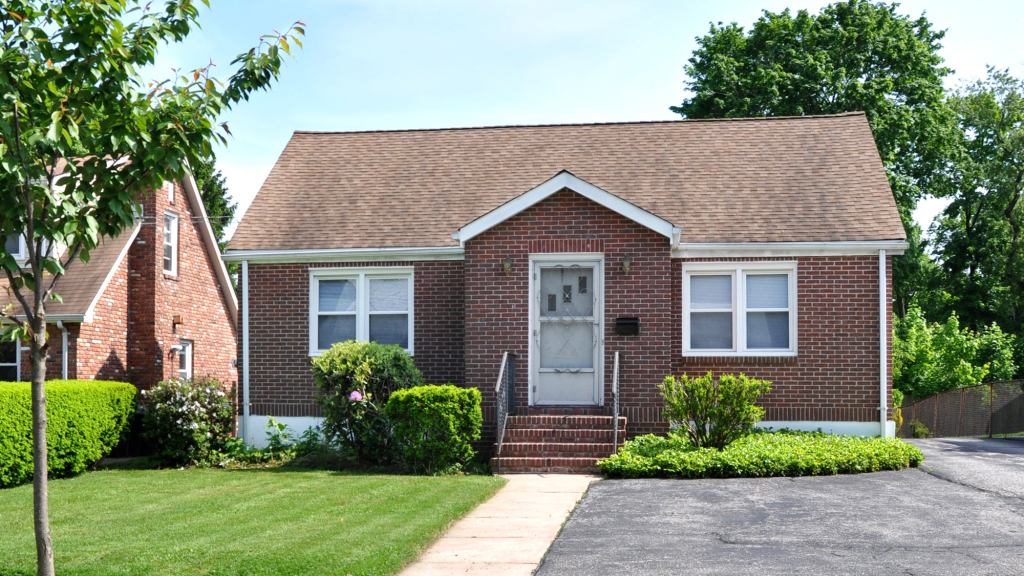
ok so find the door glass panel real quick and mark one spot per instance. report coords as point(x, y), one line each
point(711, 330)
point(767, 329)
point(332, 329)
point(337, 296)
point(8, 373)
point(8, 352)
point(767, 291)
point(390, 329)
point(389, 295)
point(567, 345)
point(710, 292)
point(566, 292)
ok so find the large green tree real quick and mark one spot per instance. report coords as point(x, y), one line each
point(213, 188)
point(980, 236)
point(850, 56)
point(83, 136)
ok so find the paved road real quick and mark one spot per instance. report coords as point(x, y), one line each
point(992, 465)
point(908, 522)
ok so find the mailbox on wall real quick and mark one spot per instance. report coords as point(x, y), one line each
point(627, 326)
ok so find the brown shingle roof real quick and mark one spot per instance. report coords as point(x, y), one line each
point(814, 178)
point(82, 281)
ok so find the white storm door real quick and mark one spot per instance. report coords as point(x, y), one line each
point(566, 330)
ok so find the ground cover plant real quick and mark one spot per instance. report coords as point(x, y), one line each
point(759, 454)
point(86, 421)
point(218, 522)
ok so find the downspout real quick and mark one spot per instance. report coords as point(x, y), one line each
point(245, 350)
point(63, 349)
point(883, 345)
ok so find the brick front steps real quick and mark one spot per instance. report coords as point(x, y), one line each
point(563, 444)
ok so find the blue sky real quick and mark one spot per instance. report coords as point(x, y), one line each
point(387, 64)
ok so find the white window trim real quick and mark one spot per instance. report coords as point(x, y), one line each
point(174, 242)
point(362, 313)
point(739, 271)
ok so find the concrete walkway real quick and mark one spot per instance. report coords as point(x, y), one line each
point(509, 533)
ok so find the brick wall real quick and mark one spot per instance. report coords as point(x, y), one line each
point(281, 383)
point(497, 317)
point(194, 294)
point(101, 346)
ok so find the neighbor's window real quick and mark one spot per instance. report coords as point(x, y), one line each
point(184, 364)
point(14, 245)
point(10, 369)
point(356, 304)
point(170, 243)
point(746, 308)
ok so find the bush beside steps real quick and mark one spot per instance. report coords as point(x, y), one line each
point(759, 454)
point(86, 420)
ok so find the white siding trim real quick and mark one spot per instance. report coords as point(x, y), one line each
point(418, 254)
point(256, 435)
point(244, 280)
point(883, 341)
point(838, 427)
point(785, 249)
point(560, 181)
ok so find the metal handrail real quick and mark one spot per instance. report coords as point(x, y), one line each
point(615, 405)
point(504, 397)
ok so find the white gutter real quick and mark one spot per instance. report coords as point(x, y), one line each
point(345, 254)
point(825, 248)
point(883, 346)
point(245, 348)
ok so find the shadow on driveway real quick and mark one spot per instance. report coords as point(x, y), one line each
point(907, 522)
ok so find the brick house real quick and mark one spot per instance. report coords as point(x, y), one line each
point(155, 302)
point(600, 257)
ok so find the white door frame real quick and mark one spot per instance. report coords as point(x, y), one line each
point(595, 259)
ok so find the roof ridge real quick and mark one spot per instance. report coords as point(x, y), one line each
point(580, 124)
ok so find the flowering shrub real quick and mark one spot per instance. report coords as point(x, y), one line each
point(355, 380)
point(189, 422)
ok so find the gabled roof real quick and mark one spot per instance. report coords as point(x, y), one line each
point(797, 179)
point(83, 283)
point(565, 181)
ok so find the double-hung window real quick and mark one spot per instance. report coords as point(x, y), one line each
point(184, 364)
point(739, 309)
point(374, 305)
point(171, 243)
point(10, 368)
point(14, 244)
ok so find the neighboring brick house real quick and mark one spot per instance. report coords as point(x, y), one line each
point(761, 246)
point(155, 302)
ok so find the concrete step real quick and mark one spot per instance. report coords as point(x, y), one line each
point(557, 449)
point(549, 465)
point(563, 421)
point(563, 435)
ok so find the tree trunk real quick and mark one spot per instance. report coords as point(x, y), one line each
point(44, 544)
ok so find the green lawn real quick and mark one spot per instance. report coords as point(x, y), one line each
point(236, 521)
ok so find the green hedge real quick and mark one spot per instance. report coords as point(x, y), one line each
point(435, 426)
point(760, 454)
point(86, 420)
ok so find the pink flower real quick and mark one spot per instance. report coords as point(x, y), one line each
point(355, 396)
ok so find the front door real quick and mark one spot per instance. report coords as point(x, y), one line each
point(566, 333)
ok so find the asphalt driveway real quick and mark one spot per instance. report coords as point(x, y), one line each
point(965, 515)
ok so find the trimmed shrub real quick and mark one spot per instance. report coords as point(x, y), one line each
point(713, 412)
point(189, 422)
point(435, 427)
point(355, 380)
point(760, 454)
point(86, 419)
